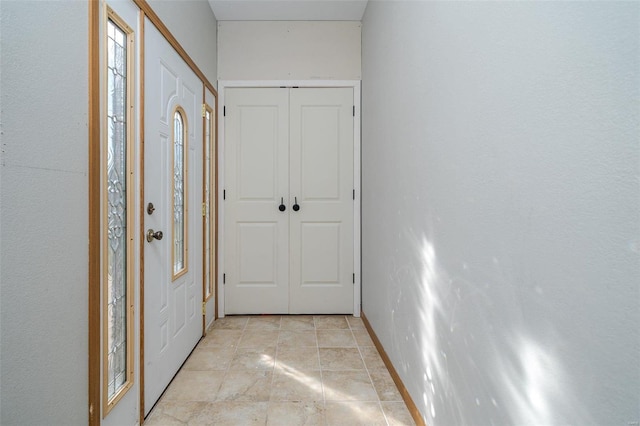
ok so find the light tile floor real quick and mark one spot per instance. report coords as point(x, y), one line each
point(285, 371)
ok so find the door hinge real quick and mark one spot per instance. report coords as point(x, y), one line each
point(204, 209)
point(354, 110)
point(224, 111)
point(204, 308)
point(354, 278)
point(204, 110)
point(354, 194)
point(224, 278)
point(224, 194)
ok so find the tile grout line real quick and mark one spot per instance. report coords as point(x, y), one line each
point(228, 369)
point(369, 375)
point(324, 396)
point(227, 373)
point(273, 372)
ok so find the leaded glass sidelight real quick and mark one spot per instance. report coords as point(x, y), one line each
point(179, 225)
point(117, 319)
point(208, 262)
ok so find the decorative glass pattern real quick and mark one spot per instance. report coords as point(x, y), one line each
point(116, 250)
point(207, 200)
point(178, 194)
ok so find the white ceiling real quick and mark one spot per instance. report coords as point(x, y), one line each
point(288, 10)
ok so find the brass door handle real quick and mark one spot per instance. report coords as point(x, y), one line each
point(151, 235)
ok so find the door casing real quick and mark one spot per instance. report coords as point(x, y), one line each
point(355, 85)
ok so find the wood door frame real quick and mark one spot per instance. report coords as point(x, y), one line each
point(94, 194)
point(353, 84)
point(94, 278)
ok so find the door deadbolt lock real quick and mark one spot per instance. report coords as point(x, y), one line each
point(150, 208)
point(151, 235)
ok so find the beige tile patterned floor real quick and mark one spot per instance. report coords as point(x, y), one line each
point(285, 371)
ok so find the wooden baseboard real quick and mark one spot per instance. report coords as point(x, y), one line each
point(413, 410)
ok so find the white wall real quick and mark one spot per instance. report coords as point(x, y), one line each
point(501, 207)
point(43, 214)
point(193, 24)
point(292, 50)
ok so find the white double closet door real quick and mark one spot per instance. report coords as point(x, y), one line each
point(289, 208)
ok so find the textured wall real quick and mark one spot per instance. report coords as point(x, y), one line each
point(43, 215)
point(289, 50)
point(501, 207)
point(194, 25)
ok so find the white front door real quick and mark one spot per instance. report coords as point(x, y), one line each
point(172, 204)
point(288, 203)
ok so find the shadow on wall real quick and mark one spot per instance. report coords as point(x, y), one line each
point(477, 361)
